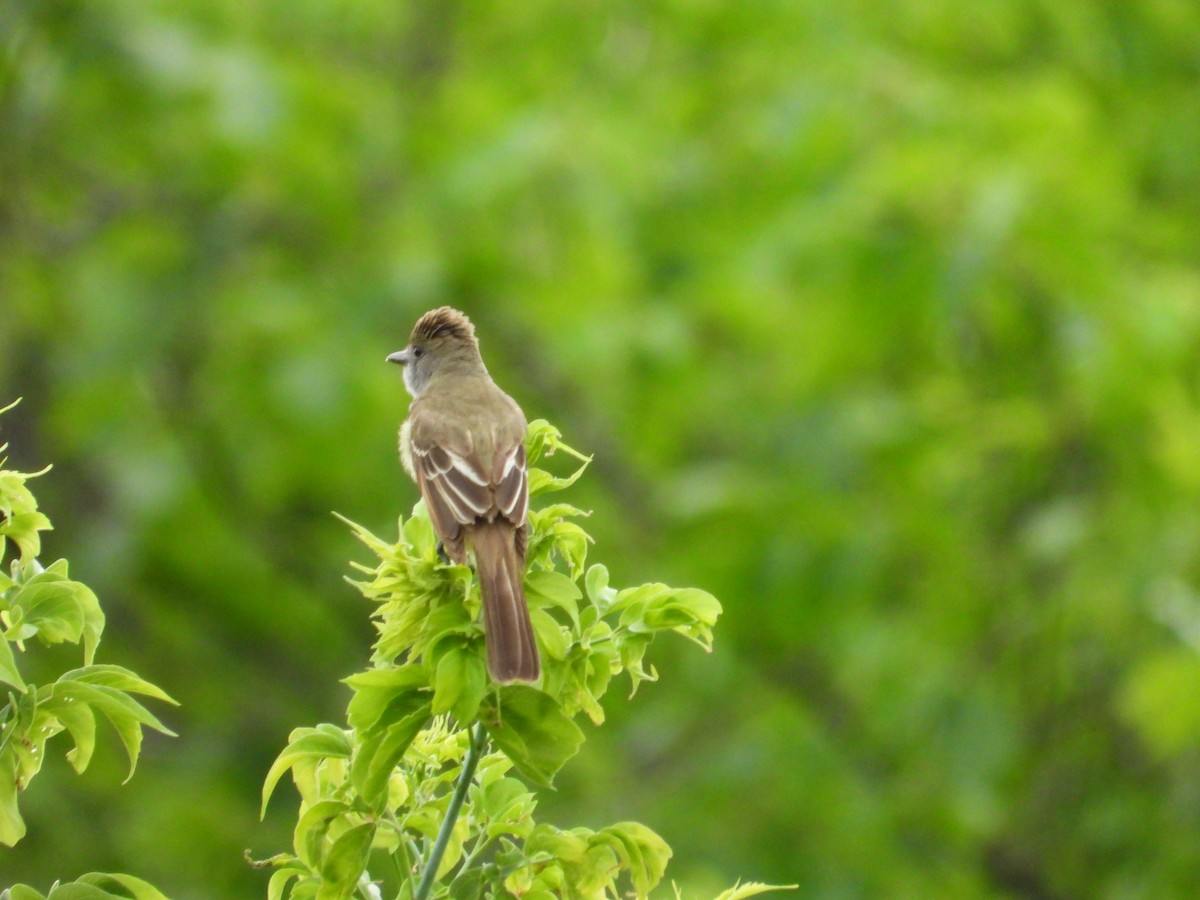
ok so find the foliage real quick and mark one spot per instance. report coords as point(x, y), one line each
point(387, 790)
point(44, 603)
point(93, 886)
point(882, 320)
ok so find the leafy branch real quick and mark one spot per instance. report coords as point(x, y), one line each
point(418, 787)
point(44, 604)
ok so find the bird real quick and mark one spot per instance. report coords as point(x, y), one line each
point(463, 443)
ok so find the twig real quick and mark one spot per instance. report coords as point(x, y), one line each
point(474, 752)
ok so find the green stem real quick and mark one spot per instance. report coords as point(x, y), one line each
point(474, 751)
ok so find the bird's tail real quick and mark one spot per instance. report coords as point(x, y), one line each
point(512, 653)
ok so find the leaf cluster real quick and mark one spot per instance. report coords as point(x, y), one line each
point(379, 793)
point(93, 886)
point(45, 604)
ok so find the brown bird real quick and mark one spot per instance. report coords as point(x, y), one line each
point(464, 445)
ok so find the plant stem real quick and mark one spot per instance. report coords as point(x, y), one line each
point(474, 751)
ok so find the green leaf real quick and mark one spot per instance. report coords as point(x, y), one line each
point(49, 609)
point(123, 886)
point(22, 528)
point(77, 891)
point(550, 588)
point(448, 619)
point(24, 892)
point(598, 591)
point(377, 755)
point(449, 680)
point(475, 688)
point(509, 806)
point(641, 850)
point(469, 884)
point(8, 667)
point(12, 826)
point(532, 731)
point(80, 721)
point(125, 714)
point(552, 637)
point(277, 886)
point(543, 439)
point(118, 678)
point(83, 616)
point(323, 742)
point(345, 862)
point(308, 839)
point(375, 689)
point(655, 607)
point(750, 888)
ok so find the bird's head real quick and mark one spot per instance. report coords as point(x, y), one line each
point(442, 338)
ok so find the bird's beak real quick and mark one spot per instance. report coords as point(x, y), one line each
point(400, 356)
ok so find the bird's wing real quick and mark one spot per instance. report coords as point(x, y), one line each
point(511, 478)
point(460, 488)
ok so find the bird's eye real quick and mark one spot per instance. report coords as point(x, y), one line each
point(418, 352)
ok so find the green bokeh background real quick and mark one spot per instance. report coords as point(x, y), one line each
point(882, 321)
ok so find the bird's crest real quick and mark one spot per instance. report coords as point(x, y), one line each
point(443, 322)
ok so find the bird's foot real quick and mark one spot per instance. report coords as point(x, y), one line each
point(442, 555)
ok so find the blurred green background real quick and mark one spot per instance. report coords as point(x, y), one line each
point(882, 320)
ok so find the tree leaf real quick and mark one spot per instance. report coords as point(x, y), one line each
point(377, 756)
point(80, 721)
point(641, 849)
point(449, 680)
point(475, 688)
point(8, 667)
point(375, 689)
point(551, 588)
point(12, 826)
point(551, 636)
point(118, 678)
point(322, 742)
point(77, 891)
point(528, 726)
point(50, 609)
point(750, 888)
point(308, 838)
point(123, 886)
point(345, 861)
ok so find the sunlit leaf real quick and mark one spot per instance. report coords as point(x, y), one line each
point(530, 728)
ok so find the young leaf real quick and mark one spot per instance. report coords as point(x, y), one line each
point(551, 636)
point(279, 882)
point(123, 886)
point(375, 689)
point(80, 721)
point(532, 731)
point(641, 850)
point(118, 678)
point(378, 755)
point(322, 742)
point(750, 888)
point(12, 826)
point(47, 608)
point(345, 862)
point(449, 680)
point(550, 588)
point(8, 667)
point(475, 687)
point(308, 840)
point(22, 528)
point(598, 590)
point(77, 891)
point(125, 714)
